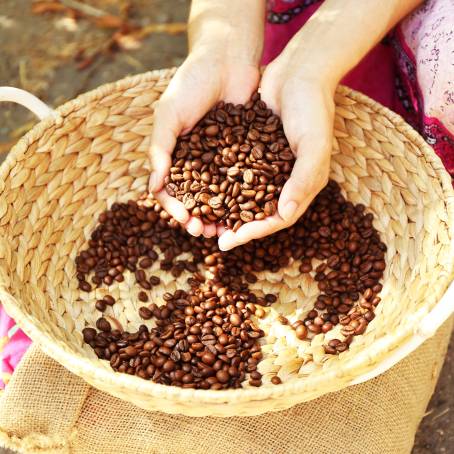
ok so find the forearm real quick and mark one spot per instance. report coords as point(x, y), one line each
point(340, 33)
point(228, 29)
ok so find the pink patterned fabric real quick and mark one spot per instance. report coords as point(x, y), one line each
point(13, 344)
point(411, 72)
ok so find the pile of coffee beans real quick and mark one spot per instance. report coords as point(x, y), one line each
point(203, 339)
point(206, 337)
point(231, 167)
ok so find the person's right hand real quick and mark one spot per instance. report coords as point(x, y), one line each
point(201, 81)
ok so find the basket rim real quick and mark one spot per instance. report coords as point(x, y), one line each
point(83, 366)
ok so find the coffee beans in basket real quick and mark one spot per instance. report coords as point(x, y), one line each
point(204, 338)
point(230, 169)
point(207, 335)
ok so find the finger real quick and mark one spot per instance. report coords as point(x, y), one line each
point(176, 111)
point(220, 229)
point(251, 231)
point(239, 89)
point(309, 175)
point(194, 226)
point(209, 230)
point(173, 206)
point(268, 92)
point(163, 139)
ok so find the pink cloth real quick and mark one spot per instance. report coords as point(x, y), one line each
point(13, 344)
point(411, 72)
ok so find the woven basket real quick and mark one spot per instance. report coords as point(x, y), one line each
point(92, 152)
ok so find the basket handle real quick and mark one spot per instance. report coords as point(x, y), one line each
point(427, 328)
point(26, 99)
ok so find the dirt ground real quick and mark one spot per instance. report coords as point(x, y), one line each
point(60, 54)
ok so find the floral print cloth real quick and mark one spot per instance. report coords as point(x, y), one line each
point(411, 72)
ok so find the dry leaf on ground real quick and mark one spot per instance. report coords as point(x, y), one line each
point(47, 7)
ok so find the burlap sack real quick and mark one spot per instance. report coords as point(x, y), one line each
point(46, 409)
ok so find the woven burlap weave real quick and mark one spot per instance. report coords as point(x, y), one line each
point(46, 409)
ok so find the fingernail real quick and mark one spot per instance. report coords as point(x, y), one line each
point(224, 243)
point(288, 210)
point(153, 182)
point(192, 231)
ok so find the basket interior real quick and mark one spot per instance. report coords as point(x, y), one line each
point(64, 173)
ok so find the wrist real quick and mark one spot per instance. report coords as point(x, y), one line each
point(230, 58)
point(227, 30)
point(304, 68)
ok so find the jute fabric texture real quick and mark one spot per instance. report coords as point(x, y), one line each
point(47, 409)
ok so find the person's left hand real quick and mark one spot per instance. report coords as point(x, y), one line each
point(306, 108)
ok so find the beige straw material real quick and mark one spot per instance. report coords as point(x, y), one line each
point(68, 169)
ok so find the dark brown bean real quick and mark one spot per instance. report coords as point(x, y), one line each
point(142, 297)
point(222, 376)
point(89, 334)
point(100, 305)
point(211, 130)
point(109, 300)
point(235, 320)
point(103, 325)
point(145, 313)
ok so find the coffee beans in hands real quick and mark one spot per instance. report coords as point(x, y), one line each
point(230, 169)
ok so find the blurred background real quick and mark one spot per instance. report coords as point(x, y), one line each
point(58, 49)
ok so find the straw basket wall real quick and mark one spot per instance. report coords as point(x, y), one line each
point(92, 152)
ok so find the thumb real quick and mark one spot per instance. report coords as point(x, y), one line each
point(165, 130)
point(308, 177)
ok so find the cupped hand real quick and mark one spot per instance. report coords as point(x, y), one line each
point(197, 86)
point(306, 108)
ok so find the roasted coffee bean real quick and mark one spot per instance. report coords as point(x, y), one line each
point(85, 286)
point(103, 325)
point(222, 376)
point(100, 305)
point(140, 275)
point(212, 130)
point(215, 202)
point(276, 380)
point(256, 375)
point(142, 297)
point(301, 332)
point(205, 337)
point(89, 334)
point(209, 358)
point(145, 262)
point(235, 320)
point(248, 176)
point(270, 208)
point(247, 216)
point(154, 280)
point(109, 300)
point(283, 320)
point(190, 203)
point(145, 313)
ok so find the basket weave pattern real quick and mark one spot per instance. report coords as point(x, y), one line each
point(68, 169)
